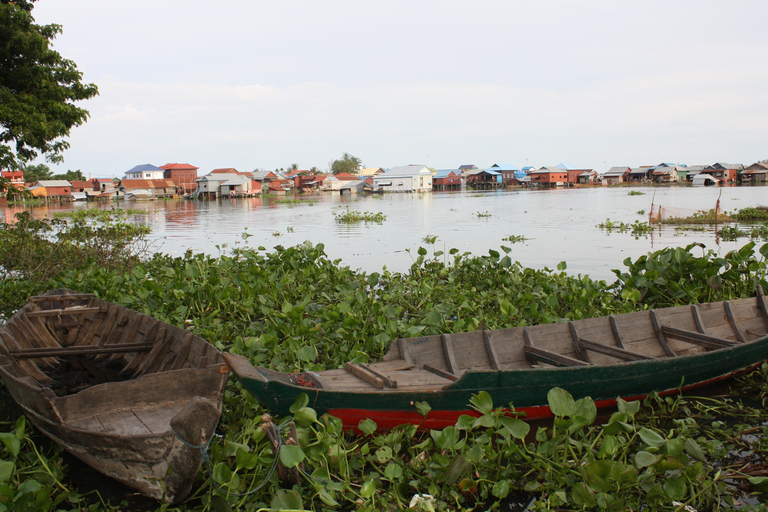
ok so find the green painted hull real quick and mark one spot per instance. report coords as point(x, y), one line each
point(526, 389)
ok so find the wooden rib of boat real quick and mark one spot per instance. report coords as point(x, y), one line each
point(627, 356)
point(127, 394)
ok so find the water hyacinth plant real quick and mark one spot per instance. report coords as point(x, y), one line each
point(294, 309)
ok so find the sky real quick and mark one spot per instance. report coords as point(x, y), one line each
point(263, 85)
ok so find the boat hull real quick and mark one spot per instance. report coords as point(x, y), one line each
point(524, 389)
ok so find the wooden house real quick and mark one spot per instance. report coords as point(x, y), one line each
point(665, 174)
point(725, 172)
point(639, 174)
point(549, 177)
point(447, 179)
point(755, 173)
point(147, 189)
point(615, 175)
point(60, 189)
point(183, 175)
point(485, 179)
point(15, 178)
point(404, 178)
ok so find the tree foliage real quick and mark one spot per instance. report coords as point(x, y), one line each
point(347, 163)
point(33, 173)
point(38, 88)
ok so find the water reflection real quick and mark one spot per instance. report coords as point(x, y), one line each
point(560, 224)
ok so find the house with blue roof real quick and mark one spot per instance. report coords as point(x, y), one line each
point(509, 175)
point(485, 179)
point(447, 179)
point(145, 172)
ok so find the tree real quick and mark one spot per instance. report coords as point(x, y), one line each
point(347, 163)
point(38, 88)
point(33, 173)
point(293, 167)
point(70, 176)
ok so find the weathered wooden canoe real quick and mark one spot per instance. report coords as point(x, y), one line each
point(127, 394)
point(628, 356)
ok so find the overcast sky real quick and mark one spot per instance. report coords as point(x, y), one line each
point(253, 84)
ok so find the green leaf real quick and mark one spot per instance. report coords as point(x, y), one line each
point(628, 408)
point(368, 488)
point(562, 266)
point(245, 460)
point(501, 489)
point(291, 456)
point(693, 449)
point(651, 438)
point(761, 482)
point(307, 353)
point(561, 402)
point(6, 470)
point(221, 473)
point(644, 459)
point(423, 408)
point(286, 500)
point(305, 416)
point(384, 454)
point(231, 448)
point(11, 442)
point(393, 471)
point(674, 488)
point(482, 402)
point(457, 468)
point(518, 428)
point(302, 400)
point(367, 426)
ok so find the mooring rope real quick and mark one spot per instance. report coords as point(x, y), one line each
point(207, 460)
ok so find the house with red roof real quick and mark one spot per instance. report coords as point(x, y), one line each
point(183, 175)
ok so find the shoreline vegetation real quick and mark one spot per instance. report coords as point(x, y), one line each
point(294, 309)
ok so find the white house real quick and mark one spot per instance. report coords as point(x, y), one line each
point(404, 178)
point(209, 185)
point(145, 172)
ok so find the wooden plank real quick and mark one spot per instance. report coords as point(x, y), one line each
point(181, 356)
point(492, 356)
point(405, 352)
point(450, 359)
point(441, 373)
point(660, 335)
point(62, 298)
point(697, 338)
point(27, 367)
point(580, 354)
point(77, 310)
point(619, 353)
point(762, 302)
point(387, 381)
point(697, 318)
point(364, 375)
point(616, 331)
point(734, 324)
point(553, 358)
point(157, 419)
point(79, 350)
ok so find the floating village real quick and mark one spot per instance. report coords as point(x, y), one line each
point(147, 181)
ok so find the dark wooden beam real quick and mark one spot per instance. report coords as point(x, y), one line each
point(553, 358)
point(705, 340)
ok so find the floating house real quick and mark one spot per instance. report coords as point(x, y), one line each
point(404, 178)
point(145, 172)
point(446, 179)
point(548, 176)
point(616, 175)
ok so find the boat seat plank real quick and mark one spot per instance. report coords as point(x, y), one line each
point(387, 381)
point(450, 358)
point(705, 340)
point(660, 335)
point(76, 310)
point(734, 323)
point(394, 365)
point(362, 374)
point(553, 358)
point(441, 373)
point(618, 353)
point(79, 350)
point(580, 354)
point(491, 350)
point(616, 332)
point(697, 318)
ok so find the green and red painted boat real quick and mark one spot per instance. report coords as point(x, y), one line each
point(628, 355)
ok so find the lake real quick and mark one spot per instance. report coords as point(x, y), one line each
point(559, 224)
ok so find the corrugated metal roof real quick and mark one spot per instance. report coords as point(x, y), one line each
point(567, 166)
point(502, 167)
point(54, 183)
point(403, 170)
point(443, 173)
point(144, 168)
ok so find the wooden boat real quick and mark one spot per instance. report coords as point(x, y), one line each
point(627, 355)
point(127, 394)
